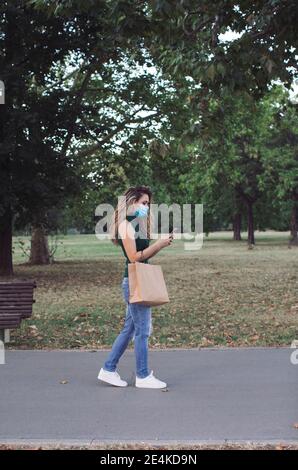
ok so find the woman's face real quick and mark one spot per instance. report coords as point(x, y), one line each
point(144, 199)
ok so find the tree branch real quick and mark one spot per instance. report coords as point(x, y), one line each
point(93, 148)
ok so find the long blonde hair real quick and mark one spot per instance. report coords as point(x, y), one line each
point(131, 196)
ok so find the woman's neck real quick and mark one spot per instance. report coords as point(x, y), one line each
point(131, 216)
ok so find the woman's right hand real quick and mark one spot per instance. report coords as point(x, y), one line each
point(163, 242)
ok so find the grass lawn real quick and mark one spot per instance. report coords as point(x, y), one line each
point(220, 295)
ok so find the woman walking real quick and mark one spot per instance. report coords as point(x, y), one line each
point(131, 229)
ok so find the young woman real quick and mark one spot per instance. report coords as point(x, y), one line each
point(130, 229)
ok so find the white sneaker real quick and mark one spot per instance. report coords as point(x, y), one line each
point(150, 382)
point(112, 378)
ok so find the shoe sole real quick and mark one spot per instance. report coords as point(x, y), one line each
point(111, 383)
point(146, 386)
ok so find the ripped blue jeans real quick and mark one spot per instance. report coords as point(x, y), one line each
point(138, 327)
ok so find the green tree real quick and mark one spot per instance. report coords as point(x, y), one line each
point(187, 39)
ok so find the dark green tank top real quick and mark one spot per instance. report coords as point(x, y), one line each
point(141, 244)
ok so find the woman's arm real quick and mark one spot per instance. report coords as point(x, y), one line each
point(126, 232)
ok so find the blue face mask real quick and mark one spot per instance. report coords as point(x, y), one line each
point(142, 211)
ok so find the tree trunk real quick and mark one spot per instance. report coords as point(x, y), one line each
point(294, 224)
point(6, 266)
point(39, 247)
point(250, 224)
point(237, 226)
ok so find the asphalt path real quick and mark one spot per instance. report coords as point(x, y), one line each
point(213, 396)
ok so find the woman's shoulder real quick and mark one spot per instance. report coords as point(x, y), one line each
point(124, 228)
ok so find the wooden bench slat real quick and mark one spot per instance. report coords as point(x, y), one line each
point(8, 298)
point(9, 325)
point(11, 306)
point(4, 306)
point(19, 314)
point(10, 321)
point(16, 295)
point(16, 289)
point(15, 315)
point(17, 283)
point(15, 312)
point(13, 289)
point(16, 298)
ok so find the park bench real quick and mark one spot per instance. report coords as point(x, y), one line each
point(16, 300)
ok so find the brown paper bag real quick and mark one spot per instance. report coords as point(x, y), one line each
point(146, 284)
